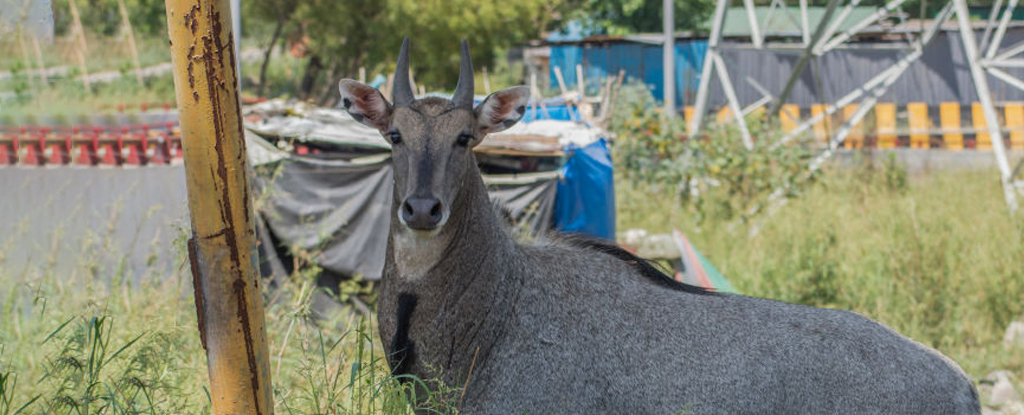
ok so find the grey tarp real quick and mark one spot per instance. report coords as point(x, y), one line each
point(340, 208)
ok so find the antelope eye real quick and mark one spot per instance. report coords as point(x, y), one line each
point(395, 137)
point(464, 139)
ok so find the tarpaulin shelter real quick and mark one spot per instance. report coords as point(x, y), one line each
point(324, 184)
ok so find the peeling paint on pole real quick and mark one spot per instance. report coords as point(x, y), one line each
point(229, 304)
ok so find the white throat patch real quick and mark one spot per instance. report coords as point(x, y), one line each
point(416, 253)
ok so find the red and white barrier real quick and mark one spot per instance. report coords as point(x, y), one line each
point(130, 145)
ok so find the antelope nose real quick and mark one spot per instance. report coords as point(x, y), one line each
point(422, 213)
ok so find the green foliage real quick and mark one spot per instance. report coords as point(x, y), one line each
point(713, 174)
point(618, 17)
point(436, 27)
point(344, 36)
point(140, 353)
point(103, 17)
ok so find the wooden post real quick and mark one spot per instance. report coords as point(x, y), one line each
point(222, 249)
point(412, 81)
point(614, 98)
point(562, 88)
point(581, 84)
point(487, 83)
point(535, 92)
point(131, 40)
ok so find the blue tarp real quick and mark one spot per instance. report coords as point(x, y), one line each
point(560, 112)
point(585, 202)
point(641, 61)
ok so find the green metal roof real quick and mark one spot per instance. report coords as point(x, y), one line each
point(787, 23)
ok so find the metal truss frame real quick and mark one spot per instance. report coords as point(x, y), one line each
point(986, 58)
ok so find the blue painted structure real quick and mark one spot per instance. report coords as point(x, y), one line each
point(641, 61)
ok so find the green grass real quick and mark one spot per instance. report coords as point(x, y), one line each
point(98, 345)
point(935, 257)
point(105, 53)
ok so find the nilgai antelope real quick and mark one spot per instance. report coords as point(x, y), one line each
point(572, 325)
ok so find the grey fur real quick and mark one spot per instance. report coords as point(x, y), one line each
point(564, 327)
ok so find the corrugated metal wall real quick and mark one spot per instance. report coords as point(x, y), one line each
point(640, 61)
point(941, 75)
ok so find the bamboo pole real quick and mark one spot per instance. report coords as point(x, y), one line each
point(78, 30)
point(565, 92)
point(28, 62)
point(487, 83)
point(39, 60)
point(222, 249)
point(83, 46)
point(131, 40)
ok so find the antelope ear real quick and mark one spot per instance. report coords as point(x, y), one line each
point(365, 104)
point(502, 109)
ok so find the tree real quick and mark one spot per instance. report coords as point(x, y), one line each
point(280, 13)
point(102, 16)
point(346, 35)
point(619, 17)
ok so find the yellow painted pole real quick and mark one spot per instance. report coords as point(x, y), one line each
point(222, 250)
point(855, 139)
point(919, 123)
point(982, 139)
point(789, 114)
point(949, 117)
point(822, 128)
point(724, 115)
point(1015, 122)
point(885, 122)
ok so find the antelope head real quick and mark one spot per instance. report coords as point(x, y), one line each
point(432, 139)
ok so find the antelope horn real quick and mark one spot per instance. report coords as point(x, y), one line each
point(464, 89)
point(402, 91)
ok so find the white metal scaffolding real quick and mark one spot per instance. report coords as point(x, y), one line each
point(986, 58)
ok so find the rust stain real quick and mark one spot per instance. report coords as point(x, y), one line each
point(190, 19)
point(197, 288)
point(191, 66)
point(214, 82)
point(250, 352)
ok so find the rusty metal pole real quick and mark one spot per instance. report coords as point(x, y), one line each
point(222, 250)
